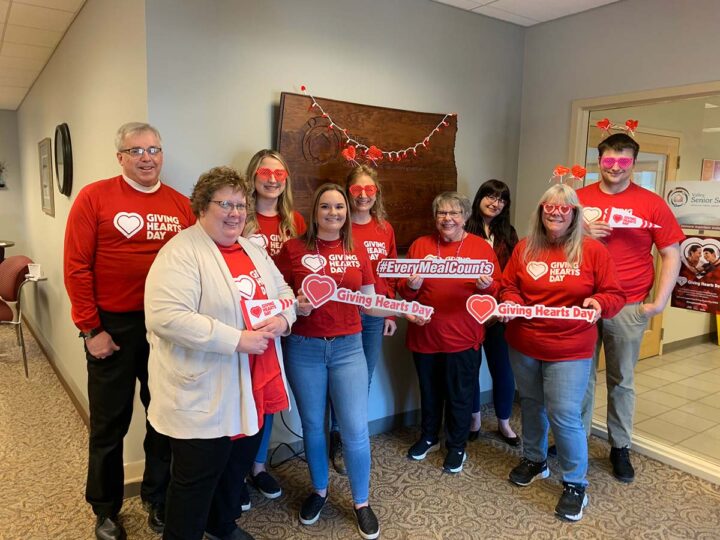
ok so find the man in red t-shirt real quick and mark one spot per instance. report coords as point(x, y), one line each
point(631, 249)
point(114, 231)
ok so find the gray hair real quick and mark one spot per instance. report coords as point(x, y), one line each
point(131, 128)
point(454, 198)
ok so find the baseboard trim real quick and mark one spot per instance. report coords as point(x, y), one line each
point(689, 342)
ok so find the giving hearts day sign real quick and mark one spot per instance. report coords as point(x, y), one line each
point(617, 218)
point(257, 311)
point(320, 289)
point(483, 306)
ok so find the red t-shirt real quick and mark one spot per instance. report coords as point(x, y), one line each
point(112, 236)
point(350, 270)
point(631, 248)
point(267, 383)
point(379, 243)
point(552, 281)
point(268, 234)
point(451, 328)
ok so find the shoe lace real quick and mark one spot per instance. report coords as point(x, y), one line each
point(572, 490)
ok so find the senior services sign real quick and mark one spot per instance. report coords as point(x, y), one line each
point(696, 205)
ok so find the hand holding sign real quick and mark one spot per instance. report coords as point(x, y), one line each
point(483, 306)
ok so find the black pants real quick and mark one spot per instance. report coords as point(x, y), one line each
point(447, 380)
point(205, 485)
point(111, 390)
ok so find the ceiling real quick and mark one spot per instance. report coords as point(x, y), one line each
point(526, 12)
point(29, 32)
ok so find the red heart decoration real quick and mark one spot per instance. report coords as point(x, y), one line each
point(604, 124)
point(560, 170)
point(481, 307)
point(256, 311)
point(349, 153)
point(374, 153)
point(617, 218)
point(318, 289)
point(578, 171)
point(631, 125)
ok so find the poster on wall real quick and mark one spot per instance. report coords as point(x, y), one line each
point(710, 170)
point(696, 205)
point(698, 286)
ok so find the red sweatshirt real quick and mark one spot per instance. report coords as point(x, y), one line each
point(552, 281)
point(112, 236)
point(268, 235)
point(451, 328)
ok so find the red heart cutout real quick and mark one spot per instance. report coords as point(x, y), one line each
point(349, 153)
point(617, 218)
point(318, 289)
point(604, 124)
point(631, 125)
point(374, 153)
point(256, 311)
point(560, 170)
point(481, 307)
point(578, 171)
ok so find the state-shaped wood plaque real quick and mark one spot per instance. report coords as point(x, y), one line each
point(409, 186)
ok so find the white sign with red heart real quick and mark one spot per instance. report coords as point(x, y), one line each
point(622, 219)
point(483, 306)
point(435, 268)
point(128, 223)
point(257, 311)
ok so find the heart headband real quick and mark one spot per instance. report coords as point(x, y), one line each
point(606, 125)
point(574, 173)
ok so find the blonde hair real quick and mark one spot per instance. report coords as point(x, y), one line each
point(378, 209)
point(285, 206)
point(310, 236)
point(537, 240)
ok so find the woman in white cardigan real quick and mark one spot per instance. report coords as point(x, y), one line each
point(212, 378)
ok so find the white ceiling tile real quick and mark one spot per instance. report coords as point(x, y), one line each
point(11, 97)
point(4, 4)
point(496, 13)
point(465, 4)
point(32, 36)
point(18, 77)
point(40, 17)
point(65, 5)
point(9, 62)
point(26, 51)
point(547, 10)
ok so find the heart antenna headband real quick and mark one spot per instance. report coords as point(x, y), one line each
point(576, 173)
point(606, 125)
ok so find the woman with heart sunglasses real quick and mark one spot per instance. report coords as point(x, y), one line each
point(557, 265)
point(490, 219)
point(211, 374)
point(271, 221)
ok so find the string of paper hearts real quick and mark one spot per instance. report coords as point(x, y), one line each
point(606, 125)
point(355, 149)
point(576, 172)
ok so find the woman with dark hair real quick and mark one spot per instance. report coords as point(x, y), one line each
point(490, 219)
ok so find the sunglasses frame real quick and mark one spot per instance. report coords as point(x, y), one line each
point(616, 160)
point(559, 207)
point(279, 174)
point(356, 190)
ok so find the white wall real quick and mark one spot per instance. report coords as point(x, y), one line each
point(95, 81)
point(11, 218)
point(216, 71)
point(623, 47)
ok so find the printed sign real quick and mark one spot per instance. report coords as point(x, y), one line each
point(697, 287)
point(483, 306)
point(696, 205)
point(321, 289)
point(257, 311)
point(617, 218)
point(435, 268)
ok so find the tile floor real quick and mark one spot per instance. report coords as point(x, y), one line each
point(678, 399)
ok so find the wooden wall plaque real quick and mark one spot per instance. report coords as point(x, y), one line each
point(409, 186)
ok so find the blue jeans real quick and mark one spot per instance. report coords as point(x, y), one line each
point(551, 394)
point(315, 367)
point(498, 362)
point(265, 441)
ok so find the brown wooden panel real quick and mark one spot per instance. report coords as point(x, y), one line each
point(314, 154)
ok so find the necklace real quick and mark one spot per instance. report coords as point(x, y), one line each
point(327, 244)
point(457, 253)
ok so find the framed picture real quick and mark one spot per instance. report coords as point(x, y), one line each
point(710, 170)
point(46, 176)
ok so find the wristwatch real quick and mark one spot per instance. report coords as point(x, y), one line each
point(90, 333)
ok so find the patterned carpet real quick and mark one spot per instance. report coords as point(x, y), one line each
point(43, 451)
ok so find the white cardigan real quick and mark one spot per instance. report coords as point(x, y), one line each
point(199, 386)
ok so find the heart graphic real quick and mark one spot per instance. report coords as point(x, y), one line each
point(560, 170)
point(429, 256)
point(481, 307)
point(259, 240)
point(128, 223)
point(313, 262)
point(256, 311)
point(245, 286)
point(349, 153)
point(682, 280)
point(374, 153)
point(631, 125)
point(578, 171)
point(537, 269)
point(617, 218)
point(318, 289)
point(604, 124)
point(591, 213)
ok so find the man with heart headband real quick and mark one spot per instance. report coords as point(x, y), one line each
point(270, 223)
point(114, 230)
point(557, 266)
point(213, 376)
point(631, 249)
point(446, 351)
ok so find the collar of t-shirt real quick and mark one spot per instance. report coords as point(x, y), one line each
point(139, 187)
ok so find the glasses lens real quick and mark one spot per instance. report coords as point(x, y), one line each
point(264, 174)
point(625, 162)
point(357, 190)
point(280, 175)
point(154, 150)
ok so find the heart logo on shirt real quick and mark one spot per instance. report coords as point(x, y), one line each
point(537, 269)
point(681, 280)
point(481, 307)
point(245, 286)
point(429, 256)
point(256, 311)
point(314, 263)
point(318, 289)
point(128, 223)
point(259, 240)
point(591, 213)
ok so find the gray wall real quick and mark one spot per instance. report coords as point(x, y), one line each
point(11, 216)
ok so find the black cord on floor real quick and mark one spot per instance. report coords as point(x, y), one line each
point(293, 454)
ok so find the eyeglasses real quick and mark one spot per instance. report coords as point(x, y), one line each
point(623, 162)
point(228, 206)
point(137, 151)
point(356, 190)
point(446, 213)
point(563, 209)
point(496, 200)
point(264, 174)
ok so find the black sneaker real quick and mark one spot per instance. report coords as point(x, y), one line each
point(310, 509)
point(422, 448)
point(454, 461)
point(527, 471)
point(336, 453)
point(237, 534)
point(266, 485)
point(622, 468)
point(367, 523)
point(245, 504)
point(572, 501)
